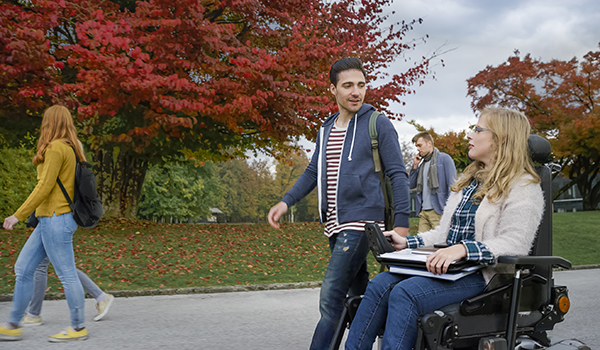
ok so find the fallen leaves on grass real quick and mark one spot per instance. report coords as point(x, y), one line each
point(123, 254)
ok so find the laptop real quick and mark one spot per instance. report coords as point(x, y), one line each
point(387, 255)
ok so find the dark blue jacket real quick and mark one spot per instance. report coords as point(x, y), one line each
point(446, 177)
point(359, 195)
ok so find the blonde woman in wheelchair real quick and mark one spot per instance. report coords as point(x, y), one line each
point(494, 209)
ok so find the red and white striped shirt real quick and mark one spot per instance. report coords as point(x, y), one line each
point(333, 154)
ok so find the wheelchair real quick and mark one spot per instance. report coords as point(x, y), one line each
point(514, 311)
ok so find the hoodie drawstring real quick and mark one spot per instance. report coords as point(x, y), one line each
point(353, 138)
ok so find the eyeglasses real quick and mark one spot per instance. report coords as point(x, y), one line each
point(477, 129)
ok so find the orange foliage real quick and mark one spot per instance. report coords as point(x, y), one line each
point(562, 100)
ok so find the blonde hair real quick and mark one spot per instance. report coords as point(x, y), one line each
point(511, 160)
point(57, 124)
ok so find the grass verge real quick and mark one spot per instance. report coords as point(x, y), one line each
point(576, 237)
point(127, 255)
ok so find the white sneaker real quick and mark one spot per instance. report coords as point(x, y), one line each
point(103, 307)
point(28, 321)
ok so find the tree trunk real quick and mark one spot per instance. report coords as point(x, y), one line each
point(120, 178)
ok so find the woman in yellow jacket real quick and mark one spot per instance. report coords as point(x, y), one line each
point(53, 236)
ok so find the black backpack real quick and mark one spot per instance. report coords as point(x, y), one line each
point(86, 205)
point(386, 183)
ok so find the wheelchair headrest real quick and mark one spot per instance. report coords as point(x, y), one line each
point(539, 148)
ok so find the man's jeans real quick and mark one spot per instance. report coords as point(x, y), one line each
point(396, 301)
point(52, 238)
point(346, 273)
point(40, 282)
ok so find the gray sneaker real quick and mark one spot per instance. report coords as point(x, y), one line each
point(28, 321)
point(103, 307)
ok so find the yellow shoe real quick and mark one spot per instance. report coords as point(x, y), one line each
point(69, 335)
point(11, 334)
point(28, 321)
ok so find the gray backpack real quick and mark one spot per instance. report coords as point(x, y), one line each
point(386, 183)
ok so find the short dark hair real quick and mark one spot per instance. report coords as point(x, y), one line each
point(425, 135)
point(344, 64)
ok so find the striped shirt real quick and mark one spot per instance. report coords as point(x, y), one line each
point(333, 154)
point(462, 230)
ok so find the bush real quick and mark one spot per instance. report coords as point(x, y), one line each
point(179, 190)
point(17, 178)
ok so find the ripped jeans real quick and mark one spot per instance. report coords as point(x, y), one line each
point(346, 274)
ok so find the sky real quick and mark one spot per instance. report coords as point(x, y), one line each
point(481, 33)
point(478, 33)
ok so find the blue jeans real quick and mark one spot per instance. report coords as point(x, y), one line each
point(52, 238)
point(40, 282)
point(396, 301)
point(346, 273)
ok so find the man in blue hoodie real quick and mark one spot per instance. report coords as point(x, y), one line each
point(349, 191)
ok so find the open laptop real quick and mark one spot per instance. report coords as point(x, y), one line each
point(386, 254)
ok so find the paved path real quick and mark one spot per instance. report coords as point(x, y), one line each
point(281, 319)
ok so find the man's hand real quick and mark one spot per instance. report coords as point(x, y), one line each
point(417, 161)
point(275, 213)
point(10, 222)
point(438, 262)
point(402, 231)
point(398, 241)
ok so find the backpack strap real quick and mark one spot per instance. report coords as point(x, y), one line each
point(377, 160)
point(374, 142)
point(64, 191)
point(377, 164)
point(62, 188)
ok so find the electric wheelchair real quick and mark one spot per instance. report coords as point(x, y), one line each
point(514, 311)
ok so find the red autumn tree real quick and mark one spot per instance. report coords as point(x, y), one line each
point(209, 79)
point(28, 70)
point(562, 100)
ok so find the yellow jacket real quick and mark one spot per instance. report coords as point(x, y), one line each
point(47, 198)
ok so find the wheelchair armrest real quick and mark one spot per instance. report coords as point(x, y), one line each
point(535, 260)
point(475, 304)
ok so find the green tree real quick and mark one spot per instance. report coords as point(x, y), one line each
point(17, 177)
point(266, 194)
point(241, 184)
point(181, 191)
point(287, 172)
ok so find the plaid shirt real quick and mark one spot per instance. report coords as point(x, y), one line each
point(462, 230)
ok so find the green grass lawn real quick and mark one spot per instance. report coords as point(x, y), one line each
point(142, 255)
point(576, 237)
point(126, 255)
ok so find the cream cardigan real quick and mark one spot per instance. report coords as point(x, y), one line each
point(506, 228)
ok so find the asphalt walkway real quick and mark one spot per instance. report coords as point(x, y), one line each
point(274, 319)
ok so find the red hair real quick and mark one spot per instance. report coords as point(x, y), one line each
point(57, 124)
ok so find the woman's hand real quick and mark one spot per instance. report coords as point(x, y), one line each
point(10, 222)
point(438, 262)
point(398, 242)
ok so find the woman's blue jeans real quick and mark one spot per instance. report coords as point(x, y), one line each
point(396, 301)
point(40, 282)
point(52, 238)
point(346, 273)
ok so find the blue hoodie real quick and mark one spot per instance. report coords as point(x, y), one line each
point(359, 195)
